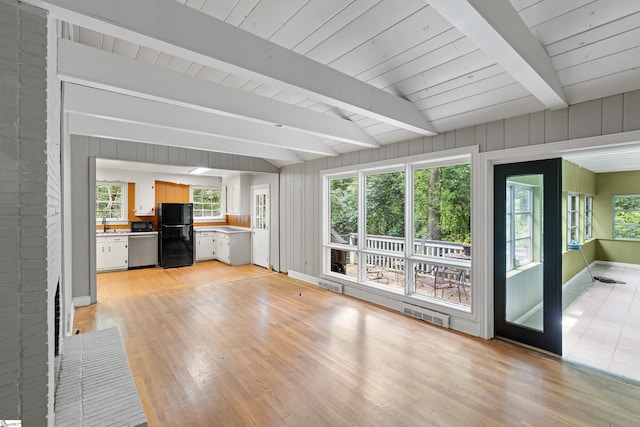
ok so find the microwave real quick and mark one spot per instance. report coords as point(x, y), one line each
point(139, 226)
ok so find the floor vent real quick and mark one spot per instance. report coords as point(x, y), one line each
point(335, 287)
point(427, 315)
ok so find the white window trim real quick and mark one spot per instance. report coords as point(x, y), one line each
point(588, 217)
point(124, 219)
point(512, 238)
point(436, 159)
point(223, 207)
point(613, 219)
point(573, 217)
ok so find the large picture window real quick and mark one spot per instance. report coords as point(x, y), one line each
point(206, 202)
point(626, 217)
point(402, 227)
point(111, 201)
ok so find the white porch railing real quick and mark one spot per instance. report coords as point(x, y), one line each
point(451, 253)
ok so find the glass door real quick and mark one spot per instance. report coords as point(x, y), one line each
point(527, 254)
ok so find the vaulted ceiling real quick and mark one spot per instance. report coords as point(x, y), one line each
point(295, 80)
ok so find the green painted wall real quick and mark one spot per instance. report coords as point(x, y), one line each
point(602, 186)
point(608, 185)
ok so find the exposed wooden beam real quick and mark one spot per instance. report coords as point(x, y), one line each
point(113, 129)
point(176, 29)
point(88, 101)
point(496, 28)
point(93, 67)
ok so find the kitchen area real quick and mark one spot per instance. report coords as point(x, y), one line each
point(157, 217)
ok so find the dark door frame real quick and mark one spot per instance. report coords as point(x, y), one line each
point(550, 339)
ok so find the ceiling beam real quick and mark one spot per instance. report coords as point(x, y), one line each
point(497, 29)
point(93, 102)
point(93, 67)
point(113, 129)
point(176, 29)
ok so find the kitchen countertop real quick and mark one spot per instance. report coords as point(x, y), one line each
point(120, 232)
point(229, 229)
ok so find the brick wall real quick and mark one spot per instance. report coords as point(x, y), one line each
point(29, 193)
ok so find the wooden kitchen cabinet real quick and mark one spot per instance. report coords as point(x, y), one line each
point(205, 245)
point(145, 198)
point(112, 253)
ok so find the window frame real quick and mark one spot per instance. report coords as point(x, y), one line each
point(467, 155)
point(613, 207)
point(124, 209)
point(511, 221)
point(221, 216)
point(573, 218)
point(588, 217)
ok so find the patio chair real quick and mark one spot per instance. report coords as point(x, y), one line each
point(426, 279)
point(375, 272)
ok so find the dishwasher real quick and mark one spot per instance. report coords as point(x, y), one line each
point(143, 250)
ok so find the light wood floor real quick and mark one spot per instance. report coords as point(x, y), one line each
point(212, 345)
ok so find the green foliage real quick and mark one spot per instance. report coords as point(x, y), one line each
point(627, 217)
point(344, 206)
point(385, 204)
point(109, 201)
point(442, 204)
point(206, 202)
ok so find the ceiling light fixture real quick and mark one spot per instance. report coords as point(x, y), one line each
point(198, 171)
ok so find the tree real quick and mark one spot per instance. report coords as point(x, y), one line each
point(344, 206)
point(385, 204)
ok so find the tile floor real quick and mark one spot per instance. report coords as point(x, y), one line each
point(601, 321)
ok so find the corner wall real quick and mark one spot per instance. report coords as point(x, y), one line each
point(30, 227)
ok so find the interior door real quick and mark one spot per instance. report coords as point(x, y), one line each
point(260, 226)
point(527, 253)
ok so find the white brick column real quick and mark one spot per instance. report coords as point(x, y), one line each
point(25, 181)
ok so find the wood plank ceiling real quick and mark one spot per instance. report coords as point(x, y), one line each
point(451, 74)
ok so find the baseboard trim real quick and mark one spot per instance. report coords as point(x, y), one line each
point(304, 277)
point(81, 301)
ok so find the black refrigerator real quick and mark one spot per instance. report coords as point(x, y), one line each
point(175, 240)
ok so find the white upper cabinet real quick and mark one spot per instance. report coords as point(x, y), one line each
point(238, 194)
point(145, 197)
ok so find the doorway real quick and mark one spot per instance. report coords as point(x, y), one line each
point(260, 225)
point(527, 256)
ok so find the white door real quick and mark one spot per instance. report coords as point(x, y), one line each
point(260, 225)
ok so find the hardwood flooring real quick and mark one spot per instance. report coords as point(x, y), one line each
point(213, 345)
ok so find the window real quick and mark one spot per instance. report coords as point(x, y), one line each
point(572, 218)
point(389, 220)
point(626, 217)
point(384, 209)
point(111, 201)
point(519, 225)
point(206, 202)
point(588, 217)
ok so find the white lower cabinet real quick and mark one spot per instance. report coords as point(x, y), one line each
point(112, 253)
point(205, 245)
point(231, 248)
point(234, 248)
point(223, 248)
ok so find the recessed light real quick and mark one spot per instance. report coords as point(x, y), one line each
point(198, 171)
